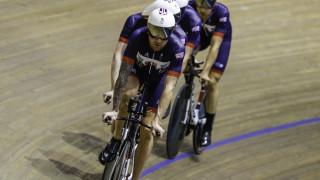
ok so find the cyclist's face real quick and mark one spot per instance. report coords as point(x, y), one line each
point(203, 12)
point(157, 43)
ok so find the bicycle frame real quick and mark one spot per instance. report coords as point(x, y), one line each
point(192, 109)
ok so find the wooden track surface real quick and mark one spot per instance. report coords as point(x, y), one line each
point(55, 58)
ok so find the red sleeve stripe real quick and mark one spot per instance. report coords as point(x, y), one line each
point(190, 44)
point(124, 40)
point(218, 34)
point(216, 71)
point(173, 73)
point(128, 60)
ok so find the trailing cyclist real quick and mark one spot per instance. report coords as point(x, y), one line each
point(216, 32)
point(153, 54)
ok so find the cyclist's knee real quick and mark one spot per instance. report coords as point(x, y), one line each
point(214, 77)
point(129, 93)
point(145, 132)
point(145, 135)
point(212, 85)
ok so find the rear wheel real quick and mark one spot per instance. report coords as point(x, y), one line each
point(178, 120)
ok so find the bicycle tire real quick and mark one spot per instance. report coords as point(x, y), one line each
point(114, 168)
point(176, 130)
point(108, 170)
point(198, 149)
point(124, 162)
point(197, 131)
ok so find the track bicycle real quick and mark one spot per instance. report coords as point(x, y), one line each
point(185, 116)
point(121, 167)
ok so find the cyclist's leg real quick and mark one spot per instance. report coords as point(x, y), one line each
point(131, 90)
point(212, 91)
point(144, 148)
point(146, 138)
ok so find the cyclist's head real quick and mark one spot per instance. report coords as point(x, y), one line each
point(207, 4)
point(182, 4)
point(161, 23)
point(166, 4)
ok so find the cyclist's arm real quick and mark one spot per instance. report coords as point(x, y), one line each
point(116, 62)
point(121, 82)
point(213, 53)
point(166, 96)
point(188, 51)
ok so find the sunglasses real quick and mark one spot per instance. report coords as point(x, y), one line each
point(157, 37)
point(202, 4)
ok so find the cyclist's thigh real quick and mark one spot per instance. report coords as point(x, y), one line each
point(154, 95)
point(131, 90)
point(222, 59)
point(132, 85)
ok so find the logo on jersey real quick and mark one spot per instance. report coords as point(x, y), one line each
point(179, 55)
point(218, 64)
point(209, 28)
point(145, 61)
point(169, 1)
point(224, 19)
point(183, 41)
point(195, 29)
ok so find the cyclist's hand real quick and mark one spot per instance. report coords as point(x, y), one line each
point(109, 117)
point(157, 130)
point(107, 97)
point(204, 79)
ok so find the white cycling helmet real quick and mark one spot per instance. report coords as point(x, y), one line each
point(182, 3)
point(171, 5)
point(161, 23)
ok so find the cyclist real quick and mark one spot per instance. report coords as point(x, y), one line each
point(216, 32)
point(153, 54)
point(191, 24)
point(133, 23)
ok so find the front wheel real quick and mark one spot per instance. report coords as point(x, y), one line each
point(119, 168)
point(178, 120)
point(123, 169)
point(109, 169)
point(196, 139)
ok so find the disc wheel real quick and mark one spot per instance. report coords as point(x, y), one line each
point(176, 127)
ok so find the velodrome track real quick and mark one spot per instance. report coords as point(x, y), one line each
point(55, 59)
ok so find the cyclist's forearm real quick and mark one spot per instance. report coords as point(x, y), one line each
point(188, 51)
point(116, 62)
point(213, 53)
point(166, 96)
point(121, 82)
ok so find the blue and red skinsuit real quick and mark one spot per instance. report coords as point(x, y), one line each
point(191, 24)
point(218, 24)
point(153, 66)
